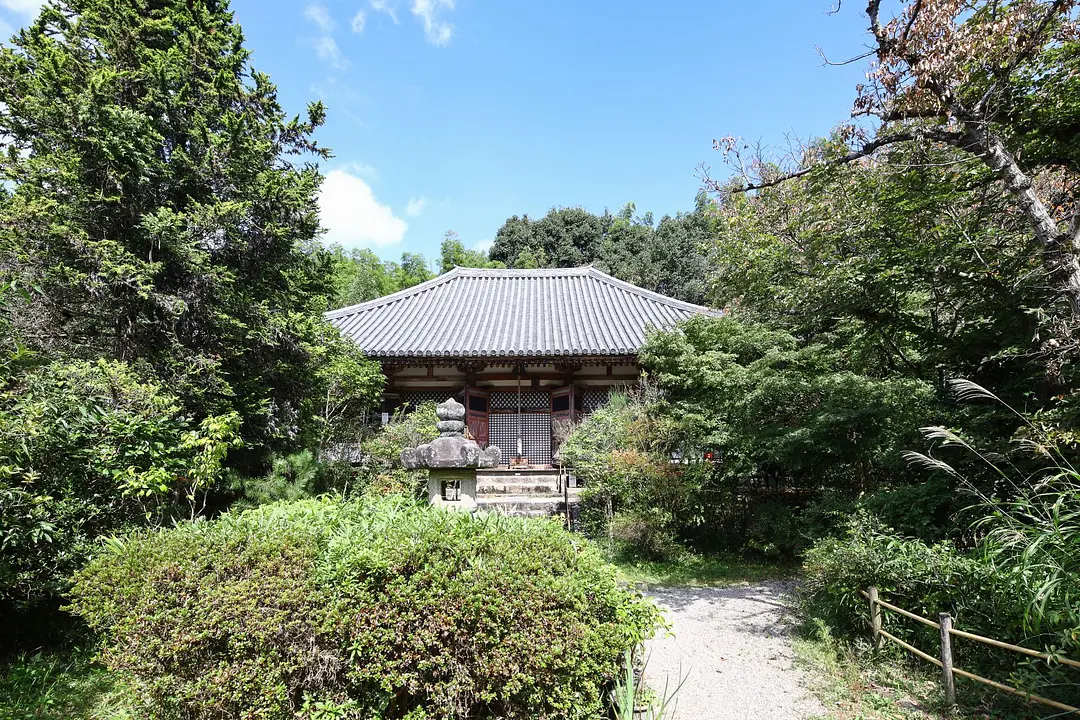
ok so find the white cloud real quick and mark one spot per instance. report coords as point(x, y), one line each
point(319, 15)
point(385, 6)
point(358, 21)
point(26, 7)
point(437, 31)
point(362, 169)
point(483, 246)
point(353, 217)
point(326, 48)
point(416, 206)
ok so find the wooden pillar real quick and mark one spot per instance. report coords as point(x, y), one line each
point(947, 677)
point(875, 617)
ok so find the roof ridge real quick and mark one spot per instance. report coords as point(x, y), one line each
point(580, 271)
point(649, 294)
point(393, 297)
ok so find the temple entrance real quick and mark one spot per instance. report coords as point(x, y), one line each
point(524, 416)
point(540, 417)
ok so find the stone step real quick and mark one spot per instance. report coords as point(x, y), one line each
point(551, 476)
point(525, 505)
point(518, 512)
point(516, 486)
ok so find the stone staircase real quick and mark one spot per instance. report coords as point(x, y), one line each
point(524, 492)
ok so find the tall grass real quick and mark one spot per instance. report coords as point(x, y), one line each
point(631, 699)
point(1015, 577)
point(1029, 526)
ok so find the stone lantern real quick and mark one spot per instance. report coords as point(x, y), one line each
point(451, 460)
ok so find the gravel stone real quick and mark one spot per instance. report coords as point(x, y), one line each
point(733, 646)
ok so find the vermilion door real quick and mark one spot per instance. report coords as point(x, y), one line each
point(562, 413)
point(476, 414)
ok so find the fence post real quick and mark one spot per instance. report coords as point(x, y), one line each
point(875, 617)
point(945, 621)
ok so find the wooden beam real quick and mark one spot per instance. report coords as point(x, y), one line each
point(481, 378)
point(471, 367)
point(511, 360)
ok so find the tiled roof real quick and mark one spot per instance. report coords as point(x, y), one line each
point(511, 313)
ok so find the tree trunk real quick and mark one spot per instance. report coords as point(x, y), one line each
point(1061, 249)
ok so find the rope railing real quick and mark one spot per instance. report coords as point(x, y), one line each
point(945, 662)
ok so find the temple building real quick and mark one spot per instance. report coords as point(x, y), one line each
point(522, 350)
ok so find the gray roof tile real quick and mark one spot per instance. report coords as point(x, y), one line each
point(512, 313)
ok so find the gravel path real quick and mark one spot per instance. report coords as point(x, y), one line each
point(733, 646)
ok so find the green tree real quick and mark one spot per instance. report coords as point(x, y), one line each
point(159, 197)
point(942, 77)
point(530, 259)
point(569, 237)
point(667, 257)
point(781, 411)
point(453, 253)
point(359, 276)
point(353, 385)
point(412, 270)
point(913, 267)
point(515, 235)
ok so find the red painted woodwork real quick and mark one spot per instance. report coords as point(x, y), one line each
point(477, 410)
point(562, 408)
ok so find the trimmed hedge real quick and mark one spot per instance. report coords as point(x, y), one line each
point(364, 609)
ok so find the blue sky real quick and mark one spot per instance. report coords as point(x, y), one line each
point(455, 114)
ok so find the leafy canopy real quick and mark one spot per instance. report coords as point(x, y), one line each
point(156, 194)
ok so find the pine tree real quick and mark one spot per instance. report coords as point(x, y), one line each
point(163, 206)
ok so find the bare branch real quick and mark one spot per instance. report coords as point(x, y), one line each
point(898, 114)
point(950, 137)
point(1074, 227)
point(849, 61)
point(873, 10)
point(911, 21)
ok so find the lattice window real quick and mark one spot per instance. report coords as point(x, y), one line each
point(535, 435)
point(593, 399)
point(530, 400)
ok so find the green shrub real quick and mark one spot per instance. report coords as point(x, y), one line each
point(633, 491)
point(645, 534)
point(88, 449)
point(927, 511)
point(377, 608)
point(296, 476)
point(381, 471)
point(1019, 578)
point(924, 511)
point(773, 530)
point(925, 579)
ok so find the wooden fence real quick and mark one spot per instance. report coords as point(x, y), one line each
point(947, 632)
